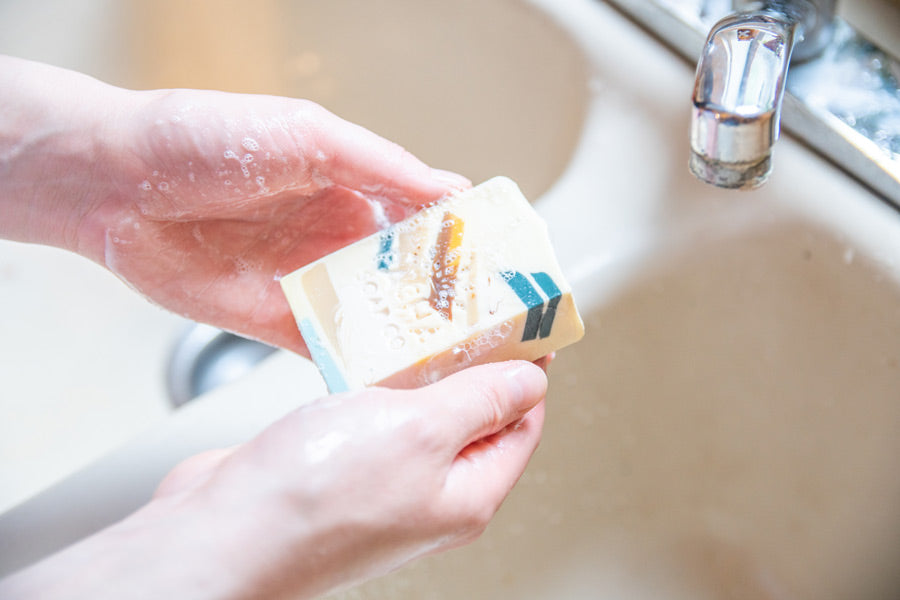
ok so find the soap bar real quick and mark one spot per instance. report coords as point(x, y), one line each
point(469, 280)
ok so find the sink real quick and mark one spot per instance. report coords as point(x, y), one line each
point(484, 89)
point(727, 429)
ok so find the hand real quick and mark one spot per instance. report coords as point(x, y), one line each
point(199, 199)
point(347, 488)
point(225, 193)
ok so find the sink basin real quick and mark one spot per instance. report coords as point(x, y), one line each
point(481, 88)
point(727, 429)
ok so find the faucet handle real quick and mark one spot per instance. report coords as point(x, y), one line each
point(815, 21)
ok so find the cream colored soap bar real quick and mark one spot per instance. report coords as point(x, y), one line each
point(472, 279)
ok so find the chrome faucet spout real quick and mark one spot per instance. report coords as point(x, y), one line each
point(737, 99)
point(841, 96)
point(740, 85)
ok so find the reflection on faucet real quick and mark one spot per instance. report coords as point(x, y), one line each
point(740, 86)
point(841, 95)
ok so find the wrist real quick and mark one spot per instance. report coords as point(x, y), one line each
point(161, 551)
point(56, 154)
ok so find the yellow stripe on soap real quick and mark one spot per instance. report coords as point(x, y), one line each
point(446, 265)
point(317, 284)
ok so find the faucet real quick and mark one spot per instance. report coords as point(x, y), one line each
point(841, 94)
point(740, 84)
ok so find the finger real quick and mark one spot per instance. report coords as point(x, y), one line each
point(362, 160)
point(544, 361)
point(520, 432)
point(481, 401)
point(485, 472)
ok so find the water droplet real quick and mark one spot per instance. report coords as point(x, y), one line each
point(250, 144)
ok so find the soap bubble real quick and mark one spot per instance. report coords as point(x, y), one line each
point(244, 266)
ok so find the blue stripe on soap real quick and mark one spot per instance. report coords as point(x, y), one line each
point(322, 357)
point(529, 296)
point(554, 294)
point(522, 288)
point(386, 255)
point(547, 284)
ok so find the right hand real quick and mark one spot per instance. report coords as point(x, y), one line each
point(347, 488)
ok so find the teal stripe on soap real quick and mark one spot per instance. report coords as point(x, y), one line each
point(320, 355)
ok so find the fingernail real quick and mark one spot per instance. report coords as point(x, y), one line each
point(451, 179)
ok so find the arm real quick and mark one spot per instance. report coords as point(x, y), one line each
point(342, 490)
point(58, 130)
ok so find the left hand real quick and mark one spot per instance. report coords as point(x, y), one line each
point(229, 192)
point(198, 199)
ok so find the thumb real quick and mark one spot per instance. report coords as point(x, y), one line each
point(361, 160)
point(493, 415)
point(481, 401)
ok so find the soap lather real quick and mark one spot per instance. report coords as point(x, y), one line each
point(469, 280)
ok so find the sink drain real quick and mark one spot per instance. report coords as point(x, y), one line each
point(205, 358)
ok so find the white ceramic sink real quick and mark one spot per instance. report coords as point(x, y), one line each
point(481, 88)
point(727, 429)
